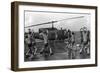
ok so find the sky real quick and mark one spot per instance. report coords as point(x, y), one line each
point(36, 17)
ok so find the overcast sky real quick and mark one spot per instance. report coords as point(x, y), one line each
point(33, 18)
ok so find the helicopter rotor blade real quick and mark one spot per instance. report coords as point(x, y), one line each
point(42, 24)
point(71, 18)
point(54, 21)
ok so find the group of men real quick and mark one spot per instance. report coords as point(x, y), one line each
point(30, 44)
point(30, 41)
point(84, 45)
point(69, 41)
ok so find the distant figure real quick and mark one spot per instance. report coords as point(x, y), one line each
point(69, 36)
point(73, 38)
point(81, 34)
point(29, 31)
point(66, 34)
point(72, 47)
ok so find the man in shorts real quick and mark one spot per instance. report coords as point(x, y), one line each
point(46, 48)
point(34, 48)
point(29, 43)
point(81, 38)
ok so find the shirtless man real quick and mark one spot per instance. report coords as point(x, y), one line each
point(34, 48)
point(46, 48)
point(28, 40)
point(81, 43)
point(85, 42)
point(31, 44)
point(85, 38)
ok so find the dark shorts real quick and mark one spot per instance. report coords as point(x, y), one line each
point(85, 43)
point(29, 45)
point(46, 50)
point(46, 45)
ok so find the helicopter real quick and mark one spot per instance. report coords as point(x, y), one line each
point(53, 32)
